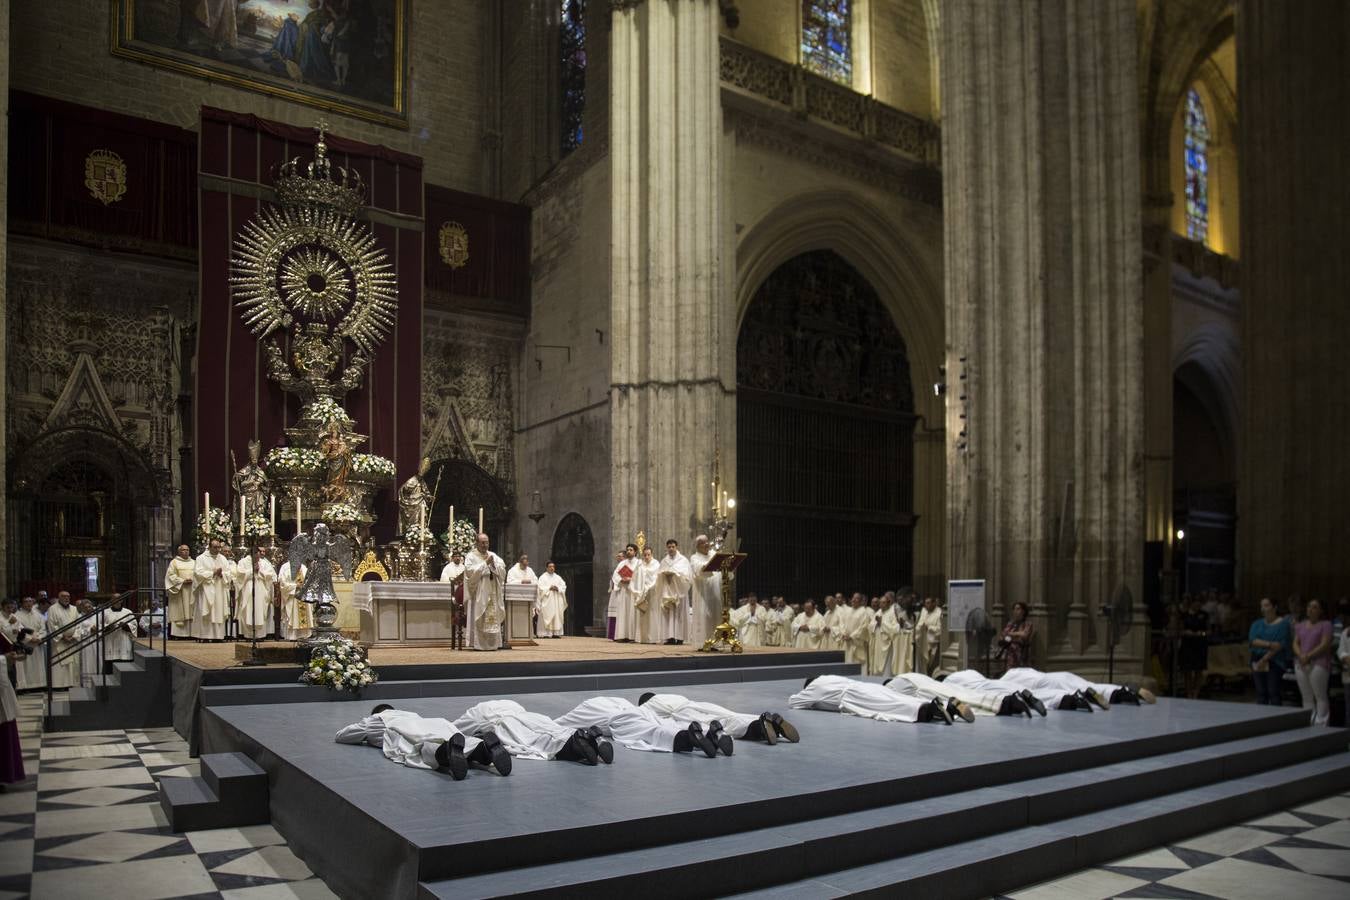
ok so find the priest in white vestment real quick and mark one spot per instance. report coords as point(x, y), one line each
point(928, 637)
point(178, 586)
point(773, 623)
point(749, 622)
point(31, 673)
point(831, 630)
point(551, 602)
point(484, 577)
point(453, 571)
point(212, 577)
point(66, 672)
point(639, 728)
point(865, 699)
point(643, 624)
point(254, 581)
point(855, 628)
point(707, 593)
point(766, 726)
point(119, 628)
point(624, 592)
point(91, 654)
point(521, 573)
point(885, 634)
point(672, 595)
point(532, 735)
point(296, 619)
point(808, 628)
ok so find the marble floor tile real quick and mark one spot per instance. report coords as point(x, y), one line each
point(91, 763)
point(188, 771)
point(8, 827)
point(218, 839)
point(310, 889)
point(267, 862)
point(1317, 862)
point(1279, 820)
point(16, 856)
point(15, 803)
point(1236, 879)
point(166, 759)
point(1229, 841)
point(111, 846)
point(66, 739)
point(142, 879)
point(101, 796)
point(60, 822)
point(65, 781)
point(122, 749)
point(1337, 833)
point(1159, 858)
point(1089, 883)
point(1336, 807)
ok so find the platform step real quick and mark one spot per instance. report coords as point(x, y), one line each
point(797, 850)
point(231, 792)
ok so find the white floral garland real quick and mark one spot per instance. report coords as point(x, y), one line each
point(293, 459)
point(339, 665)
point(220, 527)
point(462, 538)
point(257, 526)
point(370, 464)
point(417, 535)
point(324, 409)
point(341, 512)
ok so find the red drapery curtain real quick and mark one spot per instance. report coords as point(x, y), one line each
point(234, 400)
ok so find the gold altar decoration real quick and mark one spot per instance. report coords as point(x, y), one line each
point(454, 244)
point(370, 565)
point(641, 542)
point(725, 632)
point(105, 174)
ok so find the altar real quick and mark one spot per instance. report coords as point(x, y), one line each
point(403, 613)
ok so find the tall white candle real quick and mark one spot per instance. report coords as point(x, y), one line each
point(272, 504)
point(241, 516)
point(480, 520)
point(452, 521)
point(299, 520)
point(208, 507)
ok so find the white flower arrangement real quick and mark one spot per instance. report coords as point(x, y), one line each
point(418, 535)
point(220, 527)
point(462, 537)
point(294, 460)
point(257, 526)
point(341, 512)
point(325, 409)
point(339, 665)
point(368, 464)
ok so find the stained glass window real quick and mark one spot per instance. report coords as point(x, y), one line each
point(1197, 168)
point(572, 78)
point(827, 38)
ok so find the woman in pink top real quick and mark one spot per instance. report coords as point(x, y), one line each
point(1312, 662)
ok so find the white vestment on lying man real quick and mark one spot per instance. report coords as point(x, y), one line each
point(857, 698)
point(405, 737)
point(631, 726)
point(981, 702)
point(682, 712)
point(529, 735)
point(1067, 682)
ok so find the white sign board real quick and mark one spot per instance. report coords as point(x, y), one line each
point(962, 598)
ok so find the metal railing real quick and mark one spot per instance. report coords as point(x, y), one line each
point(90, 629)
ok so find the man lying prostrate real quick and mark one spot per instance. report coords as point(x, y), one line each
point(532, 735)
point(639, 728)
point(961, 701)
point(1039, 699)
point(867, 700)
point(766, 727)
point(1101, 694)
point(421, 743)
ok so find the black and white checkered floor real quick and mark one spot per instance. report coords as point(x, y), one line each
point(89, 825)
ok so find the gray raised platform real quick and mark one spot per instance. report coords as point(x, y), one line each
point(857, 807)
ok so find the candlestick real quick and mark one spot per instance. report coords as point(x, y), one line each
point(724, 503)
point(480, 520)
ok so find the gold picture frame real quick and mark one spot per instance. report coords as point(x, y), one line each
point(349, 57)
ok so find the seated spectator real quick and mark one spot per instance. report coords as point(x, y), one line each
point(1270, 639)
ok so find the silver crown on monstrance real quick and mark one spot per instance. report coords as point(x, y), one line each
point(320, 183)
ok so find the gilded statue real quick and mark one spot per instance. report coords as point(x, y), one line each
point(251, 482)
point(337, 454)
point(414, 499)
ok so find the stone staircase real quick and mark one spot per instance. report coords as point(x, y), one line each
point(948, 839)
point(231, 792)
point(137, 695)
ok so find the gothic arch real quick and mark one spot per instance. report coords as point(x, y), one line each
point(573, 552)
point(124, 462)
point(467, 486)
point(1209, 363)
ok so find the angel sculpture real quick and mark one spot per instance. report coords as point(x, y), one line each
point(317, 551)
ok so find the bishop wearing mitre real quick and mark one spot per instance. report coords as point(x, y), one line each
point(212, 576)
point(254, 579)
point(551, 603)
point(672, 594)
point(296, 622)
point(484, 576)
point(178, 585)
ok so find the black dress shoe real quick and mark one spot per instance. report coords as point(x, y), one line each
point(940, 711)
point(603, 749)
point(1033, 701)
point(763, 729)
point(718, 735)
point(580, 748)
point(1084, 704)
point(1096, 698)
point(1124, 695)
point(700, 740)
point(450, 756)
point(491, 753)
point(959, 711)
point(785, 729)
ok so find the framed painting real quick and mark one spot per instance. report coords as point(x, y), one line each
point(348, 56)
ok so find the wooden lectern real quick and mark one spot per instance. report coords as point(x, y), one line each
point(725, 633)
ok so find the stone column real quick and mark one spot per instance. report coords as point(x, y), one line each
point(1041, 213)
point(667, 291)
point(1294, 493)
point(4, 297)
